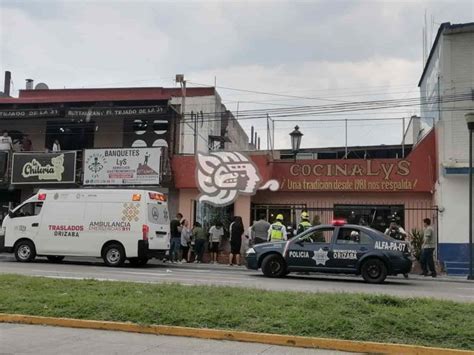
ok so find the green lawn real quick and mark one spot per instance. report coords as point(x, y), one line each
point(346, 316)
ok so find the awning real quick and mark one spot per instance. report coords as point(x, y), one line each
point(456, 168)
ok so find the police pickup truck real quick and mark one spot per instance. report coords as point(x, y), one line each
point(336, 248)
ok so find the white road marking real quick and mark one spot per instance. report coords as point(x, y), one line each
point(55, 271)
point(192, 270)
point(142, 273)
point(73, 278)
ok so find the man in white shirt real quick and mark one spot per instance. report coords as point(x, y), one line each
point(5, 141)
point(216, 232)
point(56, 146)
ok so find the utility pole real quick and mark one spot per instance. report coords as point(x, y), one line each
point(182, 82)
point(195, 119)
point(403, 138)
point(345, 156)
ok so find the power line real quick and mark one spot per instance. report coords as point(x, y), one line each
point(268, 93)
point(338, 108)
point(282, 94)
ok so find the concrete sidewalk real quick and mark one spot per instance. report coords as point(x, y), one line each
point(35, 339)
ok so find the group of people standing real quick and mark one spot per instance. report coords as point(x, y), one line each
point(23, 144)
point(262, 231)
point(6, 143)
point(186, 241)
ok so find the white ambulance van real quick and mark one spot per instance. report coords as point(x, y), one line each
point(113, 224)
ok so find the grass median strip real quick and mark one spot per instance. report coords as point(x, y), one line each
point(344, 316)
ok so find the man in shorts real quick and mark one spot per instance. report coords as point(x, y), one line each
point(216, 232)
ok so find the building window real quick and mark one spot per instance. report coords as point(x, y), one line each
point(71, 135)
point(160, 126)
point(374, 216)
point(140, 126)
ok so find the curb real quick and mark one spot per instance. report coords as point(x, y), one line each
point(216, 334)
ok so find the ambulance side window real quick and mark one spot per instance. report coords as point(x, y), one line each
point(28, 210)
point(157, 214)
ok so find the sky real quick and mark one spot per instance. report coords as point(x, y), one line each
point(315, 52)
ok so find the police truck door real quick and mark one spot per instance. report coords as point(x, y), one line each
point(350, 245)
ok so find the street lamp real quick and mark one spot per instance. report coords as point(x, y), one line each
point(470, 126)
point(296, 140)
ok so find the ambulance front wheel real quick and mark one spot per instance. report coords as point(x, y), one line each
point(25, 251)
point(113, 255)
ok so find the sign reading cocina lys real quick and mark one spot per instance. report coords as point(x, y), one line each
point(389, 175)
point(44, 168)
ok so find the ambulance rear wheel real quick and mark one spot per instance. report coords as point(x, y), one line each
point(113, 255)
point(138, 261)
point(55, 258)
point(25, 251)
point(273, 266)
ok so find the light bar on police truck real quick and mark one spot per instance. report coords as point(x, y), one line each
point(157, 196)
point(338, 222)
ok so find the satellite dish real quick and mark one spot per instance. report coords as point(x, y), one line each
point(41, 86)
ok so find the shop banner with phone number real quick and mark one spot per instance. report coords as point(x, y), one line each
point(124, 166)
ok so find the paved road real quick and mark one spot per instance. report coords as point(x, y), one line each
point(192, 274)
point(37, 339)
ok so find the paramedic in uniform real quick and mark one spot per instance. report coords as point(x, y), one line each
point(277, 231)
point(304, 224)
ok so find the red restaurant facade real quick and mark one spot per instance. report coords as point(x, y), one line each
point(370, 191)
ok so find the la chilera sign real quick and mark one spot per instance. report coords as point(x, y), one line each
point(354, 175)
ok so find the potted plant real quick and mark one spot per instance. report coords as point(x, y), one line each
point(416, 241)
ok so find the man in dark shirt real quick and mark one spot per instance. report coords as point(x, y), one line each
point(175, 231)
point(260, 231)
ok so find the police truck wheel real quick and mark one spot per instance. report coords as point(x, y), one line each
point(55, 258)
point(374, 271)
point(25, 251)
point(273, 266)
point(113, 255)
point(138, 261)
